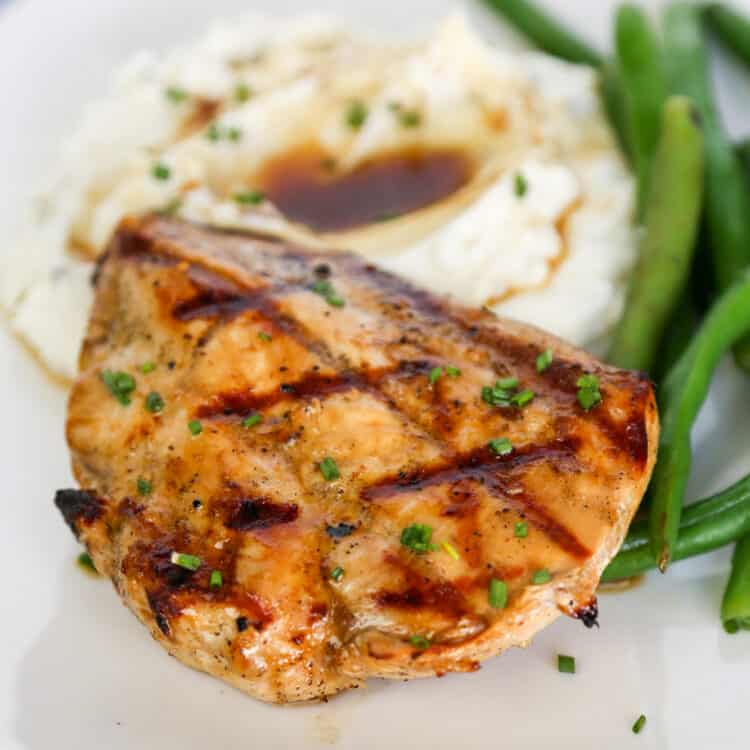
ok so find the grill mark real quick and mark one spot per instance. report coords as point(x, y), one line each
point(261, 513)
point(490, 470)
point(313, 385)
point(421, 592)
point(78, 507)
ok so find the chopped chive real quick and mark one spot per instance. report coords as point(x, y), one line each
point(588, 394)
point(419, 641)
point(195, 427)
point(544, 360)
point(242, 92)
point(356, 115)
point(497, 594)
point(450, 549)
point(337, 573)
point(325, 289)
point(144, 487)
point(522, 398)
point(500, 446)
point(452, 372)
point(263, 336)
point(640, 722)
point(147, 367)
point(252, 420)
point(541, 576)
point(410, 118)
point(216, 580)
point(234, 134)
point(250, 197)
point(213, 133)
point(161, 171)
point(84, 561)
point(171, 207)
point(417, 537)
point(175, 94)
point(328, 469)
point(435, 374)
point(154, 402)
point(506, 384)
point(520, 186)
point(183, 560)
point(120, 384)
point(588, 381)
point(566, 664)
point(521, 529)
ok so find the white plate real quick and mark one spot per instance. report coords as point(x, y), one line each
point(79, 672)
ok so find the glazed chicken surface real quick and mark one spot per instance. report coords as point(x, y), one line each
point(300, 471)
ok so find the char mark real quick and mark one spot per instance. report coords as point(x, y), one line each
point(261, 513)
point(491, 471)
point(78, 506)
point(588, 614)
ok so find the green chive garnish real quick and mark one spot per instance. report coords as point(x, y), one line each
point(175, 94)
point(588, 394)
point(213, 133)
point(452, 372)
point(520, 186)
point(497, 594)
point(195, 427)
point(161, 171)
point(216, 580)
point(640, 722)
point(147, 367)
point(242, 92)
point(84, 561)
point(144, 487)
point(234, 134)
point(506, 384)
point(544, 360)
point(541, 576)
point(328, 469)
point(337, 573)
point(419, 641)
point(263, 336)
point(189, 562)
point(120, 384)
point(417, 538)
point(500, 446)
point(435, 374)
point(154, 402)
point(326, 290)
point(566, 664)
point(522, 398)
point(252, 420)
point(250, 197)
point(521, 529)
point(410, 118)
point(356, 115)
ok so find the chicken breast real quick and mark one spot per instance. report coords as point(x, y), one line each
point(300, 471)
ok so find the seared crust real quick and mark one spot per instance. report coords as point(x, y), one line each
point(351, 383)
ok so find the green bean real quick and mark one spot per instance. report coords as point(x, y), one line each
point(639, 58)
point(545, 32)
point(735, 607)
point(705, 526)
point(681, 395)
point(732, 27)
point(667, 247)
point(613, 98)
point(678, 335)
point(727, 192)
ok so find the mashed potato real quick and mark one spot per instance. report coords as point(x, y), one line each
point(488, 175)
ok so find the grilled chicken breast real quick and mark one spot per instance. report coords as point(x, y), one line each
point(300, 471)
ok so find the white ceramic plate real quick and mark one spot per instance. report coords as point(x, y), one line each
point(77, 671)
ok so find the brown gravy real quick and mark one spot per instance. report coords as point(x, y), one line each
point(307, 188)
